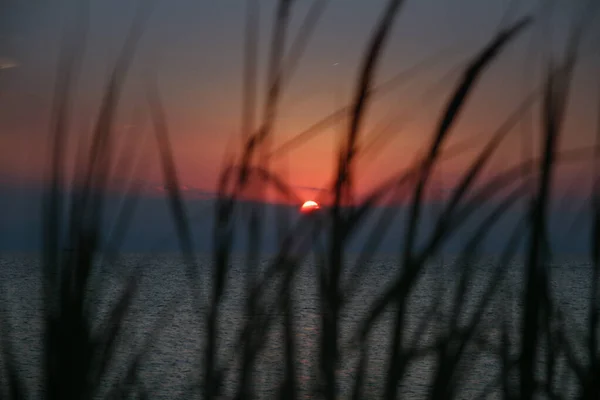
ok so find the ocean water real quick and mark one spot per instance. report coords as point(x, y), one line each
point(171, 366)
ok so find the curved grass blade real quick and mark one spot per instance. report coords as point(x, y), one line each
point(12, 386)
point(342, 189)
point(250, 62)
point(492, 187)
point(176, 204)
point(471, 75)
point(72, 49)
point(336, 116)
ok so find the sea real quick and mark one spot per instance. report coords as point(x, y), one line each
point(167, 321)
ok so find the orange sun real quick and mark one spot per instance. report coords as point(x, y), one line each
point(309, 206)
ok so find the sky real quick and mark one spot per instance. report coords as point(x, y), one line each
point(195, 50)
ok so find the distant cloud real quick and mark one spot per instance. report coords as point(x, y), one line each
point(7, 63)
point(187, 191)
point(311, 188)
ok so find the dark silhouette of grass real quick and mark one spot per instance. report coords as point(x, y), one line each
point(77, 359)
point(397, 365)
point(342, 192)
point(180, 216)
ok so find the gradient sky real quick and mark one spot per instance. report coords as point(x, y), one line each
point(195, 48)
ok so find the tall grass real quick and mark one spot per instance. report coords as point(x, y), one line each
point(77, 358)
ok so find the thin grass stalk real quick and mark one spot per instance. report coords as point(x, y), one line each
point(130, 382)
point(557, 92)
point(414, 351)
point(364, 84)
point(453, 109)
point(505, 359)
point(250, 68)
point(388, 213)
point(287, 261)
point(223, 239)
point(67, 73)
point(400, 78)
point(534, 273)
point(246, 390)
point(76, 358)
point(283, 217)
point(300, 230)
point(126, 212)
point(274, 79)
point(294, 248)
point(261, 141)
point(551, 346)
point(507, 363)
point(410, 271)
point(594, 307)
point(87, 210)
point(175, 198)
point(176, 204)
point(381, 133)
point(452, 347)
point(361, 372)
point(505, 178)
point(527, 123)
point(96, 174)
point(479, 163)
point(127, 146)
point(592, 386)
point(481, 196)
point(342, 196)
point(253, 325)
point(295, 243)
point(290, 385)
point(53, 203)
point(223, 236)
point(391, 188)
point(449, 116)
point(12, 385)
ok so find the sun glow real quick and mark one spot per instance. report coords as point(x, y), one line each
point(309, 206)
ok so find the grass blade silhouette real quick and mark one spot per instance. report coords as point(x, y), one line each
point(70, 370)
point(342, 191)
point(175, 199)
point(449, 116)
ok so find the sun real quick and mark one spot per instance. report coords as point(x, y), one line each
point(309, 206)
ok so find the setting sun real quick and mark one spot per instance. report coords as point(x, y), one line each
point(309, 206)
